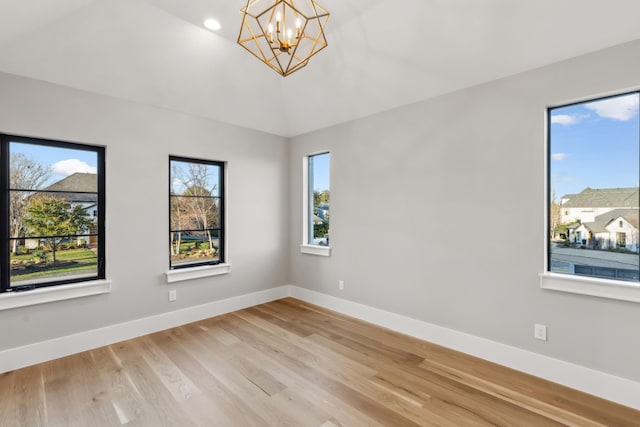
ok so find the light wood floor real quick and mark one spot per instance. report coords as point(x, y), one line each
point(288, 363)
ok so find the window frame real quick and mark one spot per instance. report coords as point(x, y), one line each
point(568, 283)
point(307, 246)
point(96, 281)
point(208, 267)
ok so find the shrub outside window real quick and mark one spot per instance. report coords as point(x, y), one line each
point(196, 212)
point(52, 213)
point(594, 170)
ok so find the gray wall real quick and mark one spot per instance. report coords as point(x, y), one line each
point(138, 141)
point(437, 213)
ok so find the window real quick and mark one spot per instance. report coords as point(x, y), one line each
point(52, 213)
point(593, 166)
point(196, 212)
point(316, 211)
point(319, 199)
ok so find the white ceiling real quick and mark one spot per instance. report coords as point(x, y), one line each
point(382, 53)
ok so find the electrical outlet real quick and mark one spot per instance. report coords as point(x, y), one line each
point(172, 295)
point(540, 332)
point(341, 285)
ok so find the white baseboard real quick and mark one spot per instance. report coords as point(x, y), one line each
point(597, 383)
point(20, 357)
point(607, 386)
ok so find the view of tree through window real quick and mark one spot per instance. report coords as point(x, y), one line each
point(319, 203)
point(594, 170)
point(52, 222)
point(196, 209)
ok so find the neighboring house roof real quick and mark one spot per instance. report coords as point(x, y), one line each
point(603, 198)
point(75, 187)
point(632, 218)
point(596, 226)
point(601, 221)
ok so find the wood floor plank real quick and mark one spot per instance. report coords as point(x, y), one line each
point(292, 356)
point(293, 326)
point(335, 333)
point(129, 404)
point(351, 375)
point(342, 371)
point(159, 402)
point(361, 332)
point(75, 379)
point(220, 361)
point(218, 405)
point(289, 363)
point(25, 387)
point(180, 386)
point(333, 407)
point(544, 392)
point(440, 396)
point(509, 395)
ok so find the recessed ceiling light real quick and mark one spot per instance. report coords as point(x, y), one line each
point(212, 24)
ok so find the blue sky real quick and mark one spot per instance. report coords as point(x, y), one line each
point(321, 171)
point(595, 144)
point(63, 162)
point(181, 171)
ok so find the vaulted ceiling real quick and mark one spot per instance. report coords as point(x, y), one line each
point(382, 53)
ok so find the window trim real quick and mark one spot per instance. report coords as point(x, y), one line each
point(567, 283)
point(100, 276)
point(308, 247)
point(592, 286)
point(213, 267)
point(197, 272)
point(46, 294)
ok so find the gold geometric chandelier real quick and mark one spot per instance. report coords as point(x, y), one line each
point(284, 34)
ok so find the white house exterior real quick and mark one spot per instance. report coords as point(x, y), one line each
point(615, 229)
point(591, 203)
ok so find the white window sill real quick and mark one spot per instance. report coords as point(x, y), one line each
point(182, 274)
point(603, 288)
point(315, 250)
point(11, 300)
